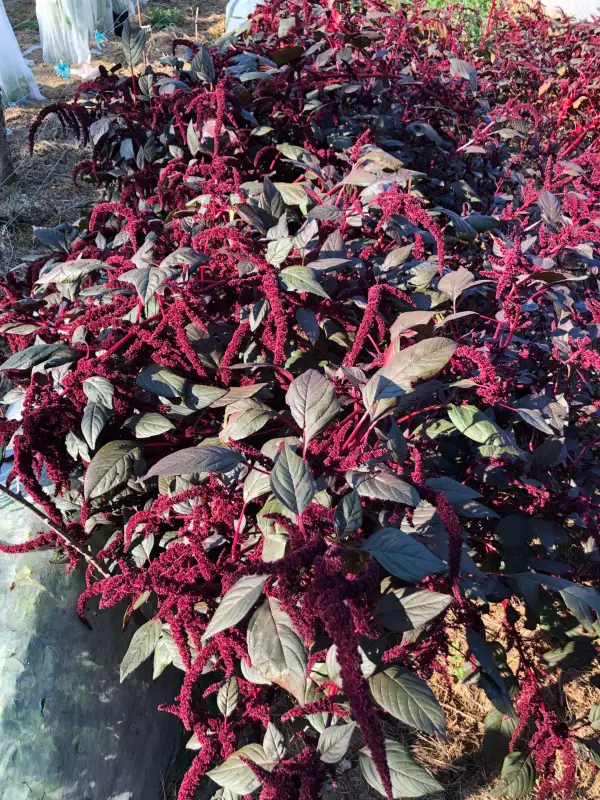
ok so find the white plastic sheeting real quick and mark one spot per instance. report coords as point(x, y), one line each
point(237, 12)
point(65, 29)
point(578, 9)
point(102, 16)
point(16, 79)
point(68, 729)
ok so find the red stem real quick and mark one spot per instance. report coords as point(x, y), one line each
point(238, 530)
point(488, 24)
point(126, 338)
point(419, 411)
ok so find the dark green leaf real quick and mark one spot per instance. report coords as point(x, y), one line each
point(313, 403)
point(227, 696)
point(192, 139)
point(301, 279)
point(534, 418)
point(199, 396)
point(383, 485)
point(235, 775)
point(410, 609)
point(244, 418)
point(307, 320)
point(409, 699)
point(517, 777)
point(196, 460)
point(334, 742)
point(71, 271)
point(409, 779)
point(133, 41)
point(33, 356)
point(396, 443)
point(161, 381)
point(497, 733)
point(325, 212)
point(146, 280)
point(236, 603)
point(141, 647)
point(452, 490)
point(462, 69)
point(276, 650)
point(403, 556)
point(274, 743)
point(149, 424)
point(292, 481)
point(203, 66)
point(471, 422)
point(93, 421)
point(419, 361)
point(99, 390)
point(348, 514)
point(111, 467)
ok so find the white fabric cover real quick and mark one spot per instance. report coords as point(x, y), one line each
point(16, 79)
point(65, 29)
point(578, 9)
point(102, 17)
point(237, 12)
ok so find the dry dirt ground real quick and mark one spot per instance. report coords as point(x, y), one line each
point(41, 193)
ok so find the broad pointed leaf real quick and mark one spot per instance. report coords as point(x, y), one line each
point(334, 742)
point(276, 650)
point(517, 777)
point(274, 743)
point(227, 696)
point(141, 647)
point(471, 422)
point(383, 485)
point(403, 556)
point(236, 603)
point(93, 421)
point(410, 609)
point(195, 460)
point(203, 66)
point(301, 279)
point(149, 424)
point(160, 380)
point(111, 467)
point(235, 775)
point(32, 356)
point(409, 699)
point(146, 280)
point(292, 481)
point(419, 361)
point(71, 271)
point(133, 40)
point(409, 779)
point(313, 403)
point(99, 390)
point(348, 514)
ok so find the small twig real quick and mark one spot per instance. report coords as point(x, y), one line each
point(453, 710)
point(83, 550)
point(139, 12)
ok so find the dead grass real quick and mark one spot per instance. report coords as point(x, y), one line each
point(41, 191)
